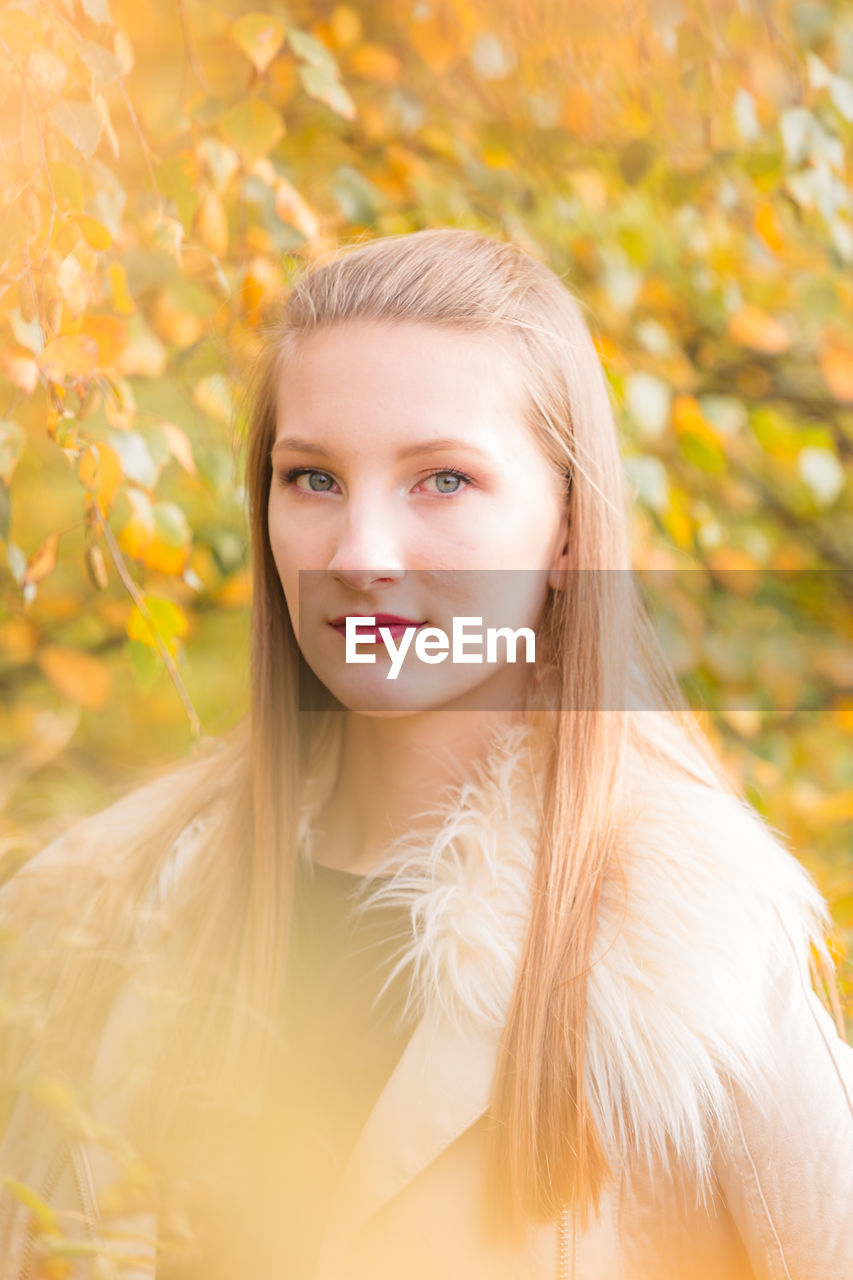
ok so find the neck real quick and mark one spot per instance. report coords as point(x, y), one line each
point(391, 771)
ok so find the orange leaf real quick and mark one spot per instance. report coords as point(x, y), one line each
point(42, 562)
point(110, 335)
point(375, 62)
point(344, 26)
point(138, 534)
point(175, 323)
point(164, 559)
point(179, 446)
point(101, 471)
point(752, 327)
point(69, 357)
point(20, 367)
point(836, 365)
point(293, 209)
point(434, 43)
point(736, 569)
point(79, 676)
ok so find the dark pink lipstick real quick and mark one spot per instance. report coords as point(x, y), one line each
point(395, 624)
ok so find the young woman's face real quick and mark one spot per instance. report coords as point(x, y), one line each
point(406, 482)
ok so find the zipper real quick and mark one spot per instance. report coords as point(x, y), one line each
point(565, 1247)
point(84, 1184)
point(46, 1189)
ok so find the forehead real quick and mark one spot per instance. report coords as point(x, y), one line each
point(399, 372)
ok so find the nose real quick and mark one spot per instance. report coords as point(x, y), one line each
point(368, 548)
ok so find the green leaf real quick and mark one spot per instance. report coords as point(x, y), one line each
point(324, 85)
point(171, 525)
point(136, 461)
point(177, 179)
point(80, 123)
point(5, 513)
point(108, 202)
point(12, 439)
point(841, 92)
point(168, 619)
point(253, 127)
point(310, 50)
point(636, 159)
point(359, 199)
point(702, 453)
point(146, 663)
point(45, 1217)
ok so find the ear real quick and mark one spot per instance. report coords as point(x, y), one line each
point(556, 574)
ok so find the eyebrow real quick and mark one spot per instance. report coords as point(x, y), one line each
point(411, 450)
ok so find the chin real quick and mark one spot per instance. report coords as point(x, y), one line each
point(385, 699)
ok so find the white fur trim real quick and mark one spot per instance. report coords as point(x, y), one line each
point(692, 927)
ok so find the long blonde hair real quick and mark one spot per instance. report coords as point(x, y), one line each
point(227, 924)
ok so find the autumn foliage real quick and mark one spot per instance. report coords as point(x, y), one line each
point(167, 168)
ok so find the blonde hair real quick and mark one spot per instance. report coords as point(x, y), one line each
point(225, 931)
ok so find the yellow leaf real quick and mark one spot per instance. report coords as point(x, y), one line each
point(43, 561)
point(344, 26)
point(165, 621)
point(236, 591)
point(100, 470)
point(71, 357)
point(122, 301)
point(837, 807)
point(261, 282)
point(253, 127)
point(79, 676)
point(688, 418)
point(18, 639)
point(138, 534)
point(755, 328)
point(260, 36)
point(769, 227)
point(94, 232)
point(165, 559)
point(211, 222)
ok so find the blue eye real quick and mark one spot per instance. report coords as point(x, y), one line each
point(458, 480)
point(290, 477)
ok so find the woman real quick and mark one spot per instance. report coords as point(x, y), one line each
point(483, 970)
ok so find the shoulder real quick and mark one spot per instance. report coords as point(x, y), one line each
point(704, 906)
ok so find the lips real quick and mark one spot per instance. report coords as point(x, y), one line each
point(395, 624)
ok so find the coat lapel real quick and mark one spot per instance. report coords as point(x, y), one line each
point(440, 1086)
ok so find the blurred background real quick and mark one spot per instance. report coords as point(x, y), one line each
point(167, 168)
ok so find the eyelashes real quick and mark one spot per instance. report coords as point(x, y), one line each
point(285, 479)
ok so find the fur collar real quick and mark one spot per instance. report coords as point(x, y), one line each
point(702, 910)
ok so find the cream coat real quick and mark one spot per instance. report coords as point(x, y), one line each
point(718, 1080)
